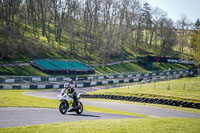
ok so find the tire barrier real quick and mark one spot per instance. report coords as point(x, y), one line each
point(145, 100)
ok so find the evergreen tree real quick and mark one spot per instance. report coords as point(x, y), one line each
point(146, 11)
point(197, 24)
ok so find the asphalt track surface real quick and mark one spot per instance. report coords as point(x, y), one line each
point(139, 109)
point(14, 116)
point(25, 116)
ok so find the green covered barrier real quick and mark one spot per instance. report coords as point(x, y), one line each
point(62, 64)
point(45, 64)
point(77, 65)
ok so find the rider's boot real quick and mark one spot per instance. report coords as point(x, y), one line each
point(78, 105)
point(74, 104)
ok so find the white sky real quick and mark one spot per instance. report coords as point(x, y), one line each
point(176, 8)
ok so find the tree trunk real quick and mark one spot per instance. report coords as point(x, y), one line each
point(151, 37)
point(138, 35)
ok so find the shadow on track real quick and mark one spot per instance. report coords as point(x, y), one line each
point(83, 115)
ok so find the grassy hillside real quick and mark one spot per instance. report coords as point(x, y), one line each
point(22, 70)
point(118, 68)
point(30, 47)
point(27, 48)
point(186, 89)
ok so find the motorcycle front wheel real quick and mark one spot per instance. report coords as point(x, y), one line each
point(63, 107)
point(80, 109)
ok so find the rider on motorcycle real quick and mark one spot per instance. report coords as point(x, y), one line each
point(69, 90)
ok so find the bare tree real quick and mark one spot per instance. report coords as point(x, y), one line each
point(139, 24)
point(182, 26)
point(167, 35)
point(88, 14)
point(9, 30)
point(111, 18)
point(73, 7)
point(124, 25)
point(41, 7)
point(59, 10)
point(157, 14)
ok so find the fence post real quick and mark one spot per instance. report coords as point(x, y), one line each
point(154, 86)
point(140, 86)
point(184, 86)
point(20, 80)
point(168, 88)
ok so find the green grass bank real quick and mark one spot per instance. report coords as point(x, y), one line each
point(144, 125)
point(185, 89)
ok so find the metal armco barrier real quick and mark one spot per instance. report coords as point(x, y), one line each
point(88, 83)
point(77, 85)
point(42, 79)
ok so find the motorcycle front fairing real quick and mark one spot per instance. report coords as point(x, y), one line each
point(66, 98)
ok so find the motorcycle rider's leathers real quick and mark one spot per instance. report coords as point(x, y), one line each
point(71, 91)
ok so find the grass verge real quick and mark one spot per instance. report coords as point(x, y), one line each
point(146, 125)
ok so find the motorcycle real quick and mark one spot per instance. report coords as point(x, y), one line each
point(68, 104)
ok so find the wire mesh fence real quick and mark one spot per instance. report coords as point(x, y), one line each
point(170, 85)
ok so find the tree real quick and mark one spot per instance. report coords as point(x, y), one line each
point(167, 35)
point(108, 38)
point(196, 43)
point(71, 25)
point(157, 14)
point(41, 7)
point(9, 9)
point(197, 24)
point(183, 37)
point(124, 26)
point(146, 12)
point(9, 30)
point(32, 17)
point(59, 13)
point(88, 21)
point(95, 29)
point(133, 38)
point(140, 21)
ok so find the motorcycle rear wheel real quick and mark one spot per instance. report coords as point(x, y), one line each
point(80, 110)
point(63, 107)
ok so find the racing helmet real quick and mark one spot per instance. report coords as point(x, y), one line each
point(71, 82)
point(66, 85)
